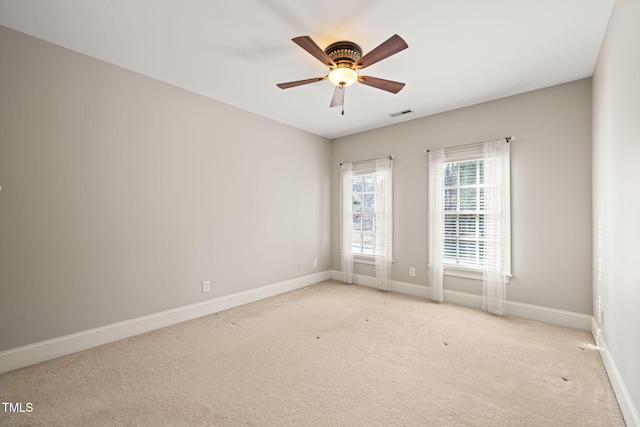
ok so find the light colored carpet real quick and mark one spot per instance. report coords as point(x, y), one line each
point(327, 355)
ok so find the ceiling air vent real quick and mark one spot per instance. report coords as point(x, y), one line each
point(401, 113)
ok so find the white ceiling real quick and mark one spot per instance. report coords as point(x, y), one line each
point(461, 52)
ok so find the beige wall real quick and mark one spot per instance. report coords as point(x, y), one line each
point(121, 194)
point(616, 207)
point(551, 190)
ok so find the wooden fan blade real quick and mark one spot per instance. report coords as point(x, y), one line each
point(300, 82)
point(392, 46)
point(310, 46)
point(338, 97)
point(388, 85)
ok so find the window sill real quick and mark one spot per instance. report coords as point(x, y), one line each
point(467, 273)
point(365, 259)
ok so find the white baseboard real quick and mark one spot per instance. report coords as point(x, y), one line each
point(526, 311)
point(627, 407)
point(45, 350)
point(550, 315)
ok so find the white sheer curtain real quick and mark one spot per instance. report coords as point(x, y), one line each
point(346, 224)
point(436, 223)
point(383, 222)
point(497, 225)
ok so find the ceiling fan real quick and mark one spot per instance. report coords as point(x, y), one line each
point(344, 59)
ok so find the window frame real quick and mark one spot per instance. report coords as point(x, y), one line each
point(365, 167)
point(362, 232)
point(469, 271)
point(459, 212)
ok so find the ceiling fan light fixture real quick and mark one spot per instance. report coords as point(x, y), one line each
point(343, 76)
point(343, 59)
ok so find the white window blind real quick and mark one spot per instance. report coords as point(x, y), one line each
point(464, 220)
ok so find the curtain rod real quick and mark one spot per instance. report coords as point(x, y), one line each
point(507, 138)
point(390, 157)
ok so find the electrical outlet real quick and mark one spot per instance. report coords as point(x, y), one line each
point(206, 286)
point(315, 262)
point(412, 272)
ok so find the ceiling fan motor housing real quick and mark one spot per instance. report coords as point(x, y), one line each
point(344, 53)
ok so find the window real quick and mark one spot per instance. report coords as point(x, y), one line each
point(466, 185)
point(464, 217)
point(363, 211)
